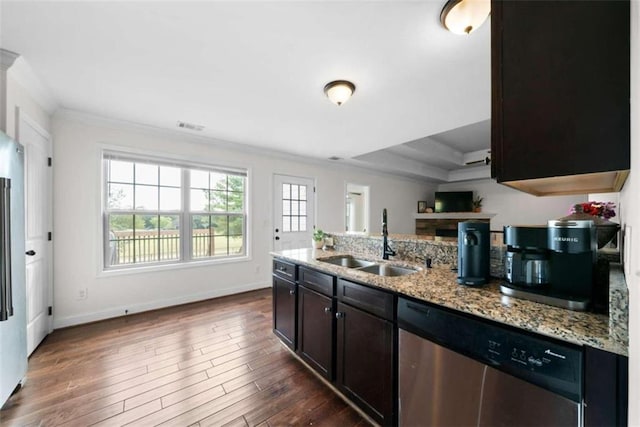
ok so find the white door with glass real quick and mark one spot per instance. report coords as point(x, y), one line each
point(294, 212)
point(37, 149)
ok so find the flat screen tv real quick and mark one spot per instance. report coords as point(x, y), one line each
point(454, 201)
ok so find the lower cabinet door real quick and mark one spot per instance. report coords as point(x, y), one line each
point(315, 331)
point(284, 311)
point(364, 361)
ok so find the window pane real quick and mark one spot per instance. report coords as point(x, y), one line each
point(169, 237)
point(236, 225)
point(199, 200)
point(200, 241)
point(303, 208)
point(303, 192)
point(286, 223)
point(218, 201)
point(303, 223)
point(219, 225)
point(170, 199)
point(218, 181)
point(221, 245)
point(286, 191)
point(235, 202)
point(147, 238)
point(120, 171)
point(294, 191)
point(294, 208)
point(236, 245)
point(146, 197)
point(146, 174)
point(120, 239)
point(170, 176)
point(236, 183)
point(199, 179)
point(294, 223)
point(120, 196)
point(286, 207)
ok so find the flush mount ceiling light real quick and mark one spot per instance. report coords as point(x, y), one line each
point(465, 16)
point(339, 91)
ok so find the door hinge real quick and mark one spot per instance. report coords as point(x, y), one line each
point(314, 189)
point(49, 236)
point(49, 161)
point(50, 310)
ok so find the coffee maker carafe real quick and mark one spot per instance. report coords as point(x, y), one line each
point(527, 257)
point(473, 253)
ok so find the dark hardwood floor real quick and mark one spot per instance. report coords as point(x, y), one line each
point(214, 362)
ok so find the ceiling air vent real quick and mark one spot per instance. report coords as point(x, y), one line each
point(190, 126)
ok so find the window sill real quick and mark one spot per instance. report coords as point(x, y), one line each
point(172, 266)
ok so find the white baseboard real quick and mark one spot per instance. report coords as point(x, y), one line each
point(63, 322)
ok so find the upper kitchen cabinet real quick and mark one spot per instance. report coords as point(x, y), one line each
point(560, 95)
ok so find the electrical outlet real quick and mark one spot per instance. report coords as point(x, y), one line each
point(82, 294)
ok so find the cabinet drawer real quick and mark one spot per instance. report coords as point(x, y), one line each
point(284, 269)
point(376, 302)
point(319, 282)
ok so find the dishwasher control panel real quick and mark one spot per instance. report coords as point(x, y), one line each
point(539, 360)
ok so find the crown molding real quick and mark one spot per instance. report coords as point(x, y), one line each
point(7, 58)
point(24, 75)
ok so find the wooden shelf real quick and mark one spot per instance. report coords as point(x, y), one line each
point(454, 215)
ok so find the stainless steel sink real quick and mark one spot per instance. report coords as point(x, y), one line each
point(348, 261)
point(387, 270)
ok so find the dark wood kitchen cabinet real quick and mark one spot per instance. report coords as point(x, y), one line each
point(316, 322)
point(560, 95)
point(284, 302)
point(365, 349)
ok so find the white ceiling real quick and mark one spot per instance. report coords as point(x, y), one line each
point(253, 72)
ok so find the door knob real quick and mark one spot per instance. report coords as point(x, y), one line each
point(339, 315)
point(31, 252)
point(292, 292)
point(277, 229)
point(277, 237)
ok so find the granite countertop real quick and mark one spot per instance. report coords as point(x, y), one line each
point(438, 285)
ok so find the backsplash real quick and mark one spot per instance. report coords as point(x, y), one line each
point(416, 249)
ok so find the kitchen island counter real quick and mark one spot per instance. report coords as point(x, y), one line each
point(438, 286)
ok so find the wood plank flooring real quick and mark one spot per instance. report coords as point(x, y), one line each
point(210, 363)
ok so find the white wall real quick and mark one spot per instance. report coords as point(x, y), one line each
point(513, 206)
point(630, 219)
point(77, 242)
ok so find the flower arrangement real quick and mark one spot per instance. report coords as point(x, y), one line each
point(604, 210)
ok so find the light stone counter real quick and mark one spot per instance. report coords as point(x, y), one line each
point(438, 285)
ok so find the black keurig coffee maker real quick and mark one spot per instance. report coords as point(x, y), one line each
point(473, 253)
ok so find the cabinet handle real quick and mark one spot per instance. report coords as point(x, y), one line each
point(292, 292)
point(327, 310)
point(339, 315)
point(281, 268)
point(31, 252)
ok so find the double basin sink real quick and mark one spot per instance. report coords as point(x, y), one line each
point(387, 270)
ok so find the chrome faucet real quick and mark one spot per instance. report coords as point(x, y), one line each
point(386, 249)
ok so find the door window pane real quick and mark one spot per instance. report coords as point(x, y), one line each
point(294, 208)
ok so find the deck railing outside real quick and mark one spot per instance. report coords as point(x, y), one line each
point(164, 245)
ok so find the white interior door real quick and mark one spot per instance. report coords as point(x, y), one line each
point(37, 149)
point(294, 212)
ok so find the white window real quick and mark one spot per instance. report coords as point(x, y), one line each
point(157, 211)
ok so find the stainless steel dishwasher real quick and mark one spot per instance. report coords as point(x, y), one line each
point(455, 370)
